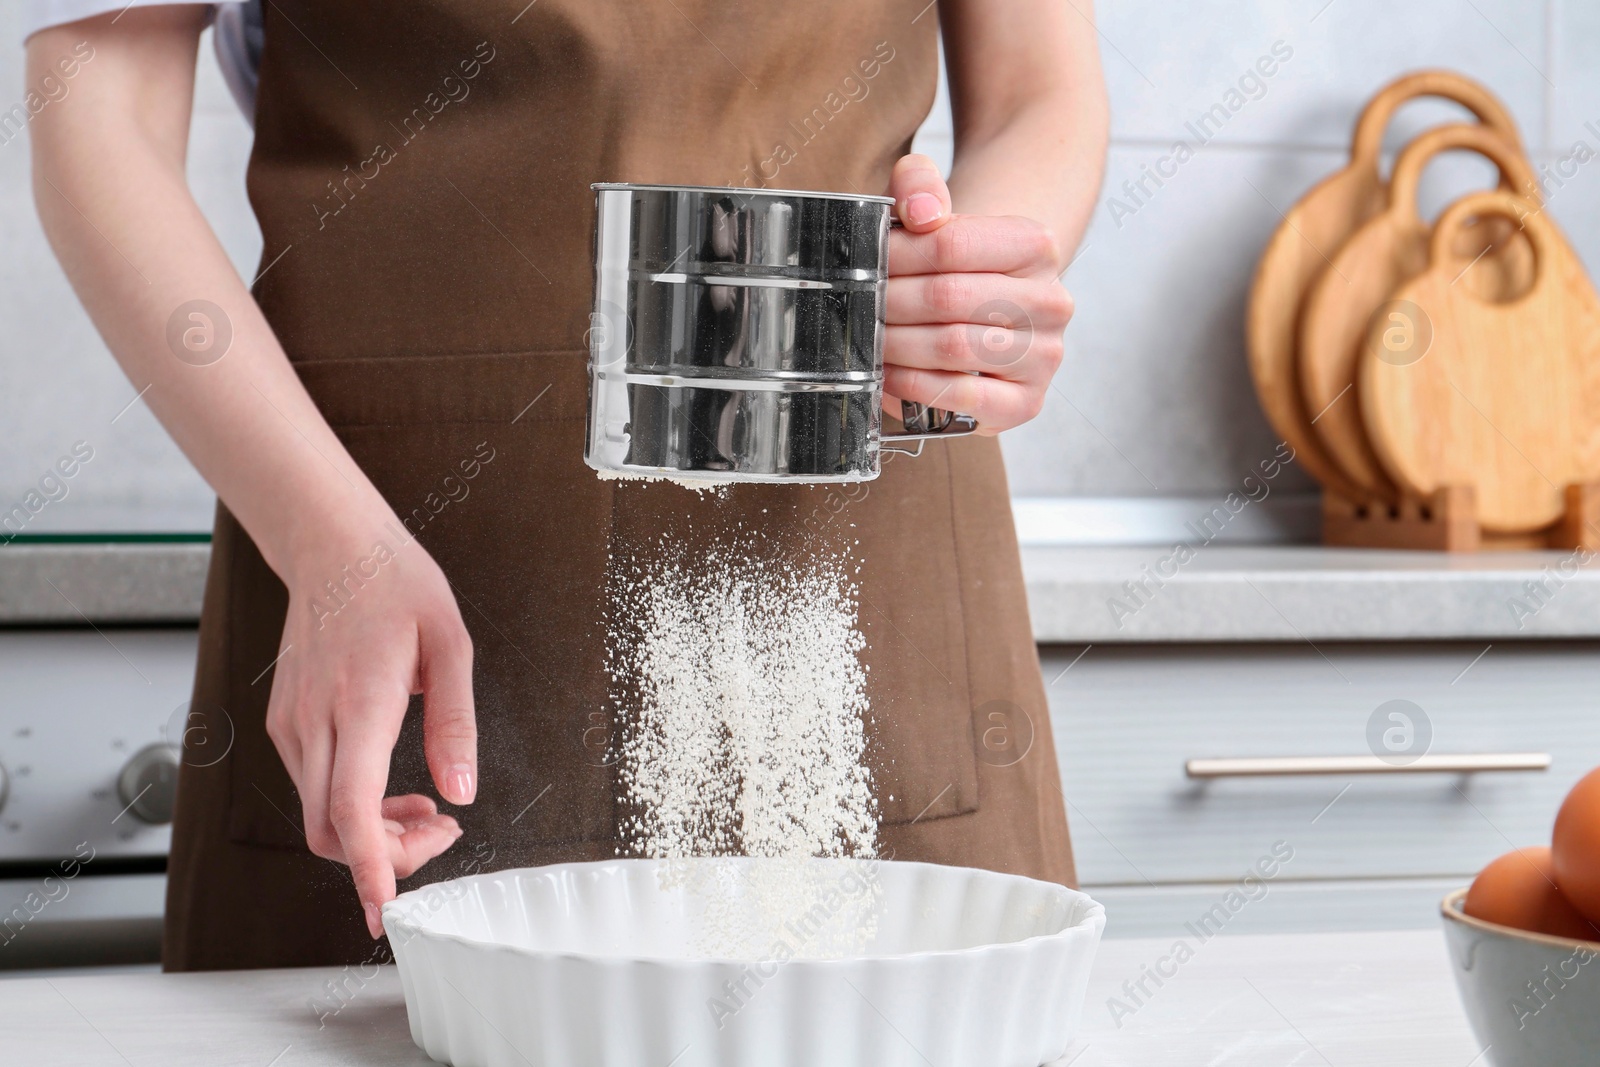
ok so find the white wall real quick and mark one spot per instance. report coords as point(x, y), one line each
point(1154, 399)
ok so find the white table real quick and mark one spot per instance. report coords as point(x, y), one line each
point(1335, 999)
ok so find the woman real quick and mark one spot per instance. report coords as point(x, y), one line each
point(392, 413)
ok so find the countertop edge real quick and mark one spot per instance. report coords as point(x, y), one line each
point(78, 584)
point(1077, 595)
point(1298, 593)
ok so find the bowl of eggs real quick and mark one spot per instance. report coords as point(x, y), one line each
point(1525, 944)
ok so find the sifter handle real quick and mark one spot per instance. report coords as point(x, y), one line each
point(923, 422)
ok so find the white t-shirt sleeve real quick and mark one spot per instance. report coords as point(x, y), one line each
point(41, 14)
point(238, 37)
point(238, 33)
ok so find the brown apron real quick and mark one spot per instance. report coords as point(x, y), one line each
point(421, 174)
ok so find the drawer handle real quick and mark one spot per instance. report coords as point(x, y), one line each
point(1289, 766)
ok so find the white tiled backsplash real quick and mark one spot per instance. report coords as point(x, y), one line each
point(1153, 399)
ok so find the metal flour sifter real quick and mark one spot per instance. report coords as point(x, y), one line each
point(737, 336)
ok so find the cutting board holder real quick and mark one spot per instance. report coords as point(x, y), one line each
point(1448, 522)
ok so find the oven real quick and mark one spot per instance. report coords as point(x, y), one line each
point(94, 721)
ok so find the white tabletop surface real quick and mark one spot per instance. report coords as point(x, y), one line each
point(1274, 1001)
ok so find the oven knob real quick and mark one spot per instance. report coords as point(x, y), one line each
point(148, 784)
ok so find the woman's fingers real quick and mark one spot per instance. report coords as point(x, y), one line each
point(975, 309)
point(420, 841)
point(1016, 355)
point(449, 730)
point(409, 808)
point(999, 244)
point(997, 404)
point(355, 799)
point(336, 711)
point(417, 832)
point(281, 728)
point(976, 326)
point(961, 349)
point(313, 782)
point(984, 298)
point(921, 197)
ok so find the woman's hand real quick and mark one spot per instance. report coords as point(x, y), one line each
point(347, 670)
point(975, 309)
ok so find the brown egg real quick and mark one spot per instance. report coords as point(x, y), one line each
point(1519, 890)
point(1576, 845)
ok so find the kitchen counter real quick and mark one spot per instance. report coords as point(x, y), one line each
point(1304, 593)
point(1235, 593)
point(73, 582)
point(1350, 999)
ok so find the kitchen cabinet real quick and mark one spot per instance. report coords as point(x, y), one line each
point(1273, 650)
point(1368, 851)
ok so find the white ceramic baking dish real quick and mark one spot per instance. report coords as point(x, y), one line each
point(724, 962)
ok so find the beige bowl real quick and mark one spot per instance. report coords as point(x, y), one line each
point(1533, 999)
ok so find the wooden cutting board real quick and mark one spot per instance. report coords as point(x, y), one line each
point(1309, 235)
point(1506, 398)
point(1388, 250)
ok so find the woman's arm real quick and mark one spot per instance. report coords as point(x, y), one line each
point(108, 168)
point(975, 286)
point(1029, 104)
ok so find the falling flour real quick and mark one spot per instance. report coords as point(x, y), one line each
point(742, 699)
point(743, 710)
point(742, 716)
